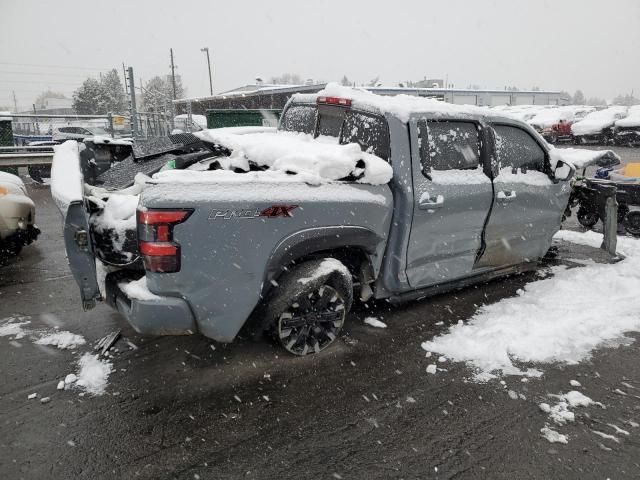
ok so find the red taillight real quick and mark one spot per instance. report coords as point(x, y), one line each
point(158, 249)
point(155, 239)
point(335, 101)
point(154, 217)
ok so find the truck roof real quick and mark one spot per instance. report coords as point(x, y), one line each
point(401, 106)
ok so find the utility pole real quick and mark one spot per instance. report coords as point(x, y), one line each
point(124, 76)
point(133, 114)
point(173, 74)
point(206, 49)
point(15, 102)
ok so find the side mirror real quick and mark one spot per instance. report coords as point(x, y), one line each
point(564, 171)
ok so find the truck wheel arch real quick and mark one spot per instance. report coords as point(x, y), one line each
point(354, 246)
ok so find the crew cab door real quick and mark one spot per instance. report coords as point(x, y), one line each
point(528, 202)
point(452, 197)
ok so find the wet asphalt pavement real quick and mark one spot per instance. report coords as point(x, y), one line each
point(182, 407)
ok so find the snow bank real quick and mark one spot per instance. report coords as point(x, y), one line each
point(63, 340)
point(314, 160)
point(582, 158)
point(138, 289)
point(594, 122)
point(93, 374)
point(558, 319)
point(632, 119)
point(66, 177)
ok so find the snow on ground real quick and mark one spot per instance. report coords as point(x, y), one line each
point(62, 340)
point(553, 436)
point(93, 374)
point(374, 322)
point(556, 319)
point(13, 327)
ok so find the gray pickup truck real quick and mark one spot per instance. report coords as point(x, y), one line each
point(472, 196)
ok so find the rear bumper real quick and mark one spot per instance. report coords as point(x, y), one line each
point(162, 316)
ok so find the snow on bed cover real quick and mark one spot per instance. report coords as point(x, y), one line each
point(562, 318)
point(581, 158)
point(632, 119)
point(66, 177)
point(138, 289)
point(314, 160)
point(594, 122)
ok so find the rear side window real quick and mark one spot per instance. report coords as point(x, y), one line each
point(299, 118)
point(368, 131)
point(448, 145)
point(517, 149)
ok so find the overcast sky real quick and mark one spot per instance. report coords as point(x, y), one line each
point(557, 45)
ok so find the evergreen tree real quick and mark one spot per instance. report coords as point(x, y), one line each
point(113, 92)
point(89, 99)
point(578, 98)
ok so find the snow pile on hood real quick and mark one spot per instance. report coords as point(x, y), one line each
point(550, 116)
point(314, 160)
point(66, 178)
point(582, 158)
point(632, 119)
point(401, 106)
point(94, 374)
point(558, 319)
point(594, 122)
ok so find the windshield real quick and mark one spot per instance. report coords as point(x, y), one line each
point(98, 131)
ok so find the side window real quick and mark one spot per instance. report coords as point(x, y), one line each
point(517, 149)
point(299, 118)
point(448, 145)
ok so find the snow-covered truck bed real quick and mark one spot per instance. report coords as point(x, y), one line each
point(354, 195)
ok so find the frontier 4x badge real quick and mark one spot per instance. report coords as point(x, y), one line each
point(273, 211)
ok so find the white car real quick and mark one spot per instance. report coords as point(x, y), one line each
point(62, 134)
point(17, 216)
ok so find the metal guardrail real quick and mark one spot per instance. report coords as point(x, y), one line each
point(25, 159)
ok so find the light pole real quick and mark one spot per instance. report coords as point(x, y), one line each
point(206, 49)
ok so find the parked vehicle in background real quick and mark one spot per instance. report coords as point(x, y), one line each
point(627, 130)
point(17, 216)
point(60, 134)
point(598, 127)
point(414, 197)
point(183, 124)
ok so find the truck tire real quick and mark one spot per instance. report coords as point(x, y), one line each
point(309, 305)
point(587, 217)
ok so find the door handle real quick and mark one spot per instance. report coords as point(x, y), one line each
point(431, 203)
point(504, 197)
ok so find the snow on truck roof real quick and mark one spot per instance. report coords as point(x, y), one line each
point(400, 106)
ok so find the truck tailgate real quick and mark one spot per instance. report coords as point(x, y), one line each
point(67, 187)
